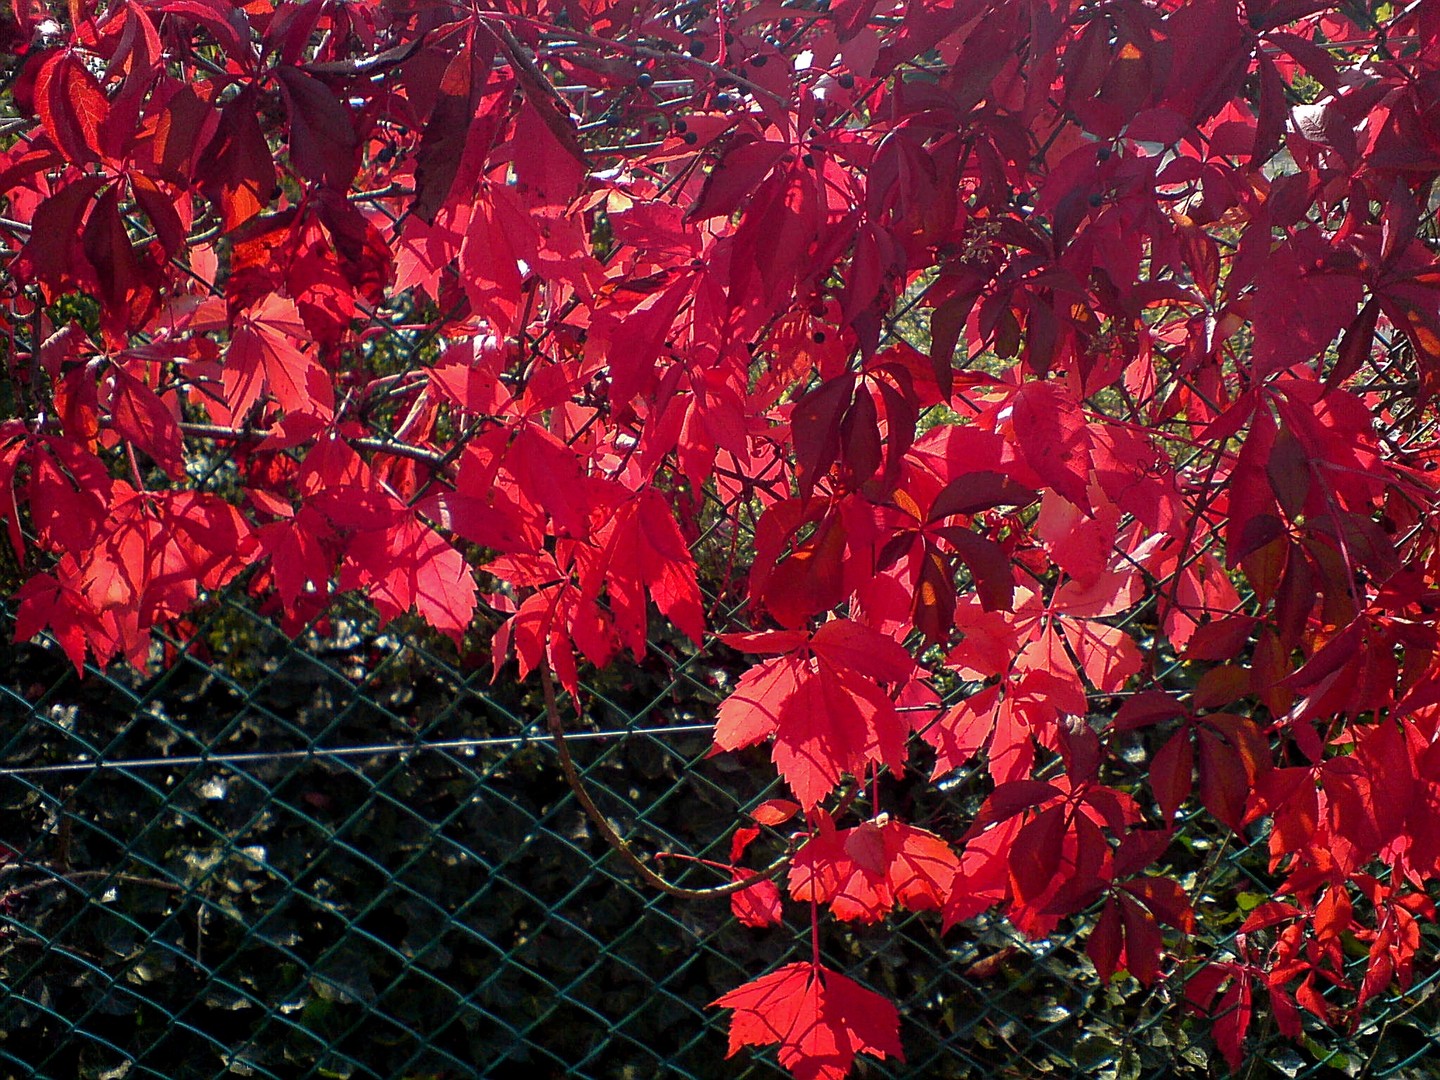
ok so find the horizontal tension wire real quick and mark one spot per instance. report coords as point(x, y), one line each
point(378, 750)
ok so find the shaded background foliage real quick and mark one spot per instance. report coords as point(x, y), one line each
point(442, 912)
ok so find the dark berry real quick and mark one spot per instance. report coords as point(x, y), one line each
point(645, 80)
point(846, 81)
point(723, 101)
point(818, 337)
point(681, 126)
point(1103, 153)
point(759, 61)
point(691, 138)
point(1095, 200)
point(809, 160)
point(786, 25)
point(697, 47)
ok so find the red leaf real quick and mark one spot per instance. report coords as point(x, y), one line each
point(1146, 708)
point(643, 551)
point(67, 504)
point(990, 568)
point(1232, 1021)
point(865, 844)
point(141, 417)
point(827, 718)
point(323, 144)
point(1036, 854)
point(71, 105)
point(1107, 654)
point(756, 905)
point(821, 1020)
point(236, 172)
point(406, 566)
point(1142, 941)
point(752, 712)
point(1223, 783)
point(976, 491)
point(847, 644)
point(767, 1008)
point(552, 168)
point(1050, 429)
point(962, 731)
point(921, 868)
point(735, 178)
point(46, 603)
point(264, 354)
point(1106, 940)
point(774, 812)
point(1165, 898)
point(443, 144)
point(835, 723)
point(1172, 773)
point(551, 474)
point(825, 871)
point(816, 422)
point(860, 446)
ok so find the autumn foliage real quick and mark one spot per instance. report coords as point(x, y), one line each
point(1037, 390)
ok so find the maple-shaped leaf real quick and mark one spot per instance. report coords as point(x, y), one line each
point(50, 602)
point(863, 872)
point(820, 1020)
point(403, 565)
point(822, 704)
point(266, 353)
point(642, 550)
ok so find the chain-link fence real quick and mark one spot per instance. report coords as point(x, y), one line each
point(352, 854)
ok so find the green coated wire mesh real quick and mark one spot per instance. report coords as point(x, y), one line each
point(351, 855)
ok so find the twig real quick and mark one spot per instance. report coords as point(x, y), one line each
point(618, 842)
point(361, 442)
point(82, 875)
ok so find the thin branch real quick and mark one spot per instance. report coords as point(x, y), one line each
point(617, 842)
point(360, 442)
point(85, 875)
